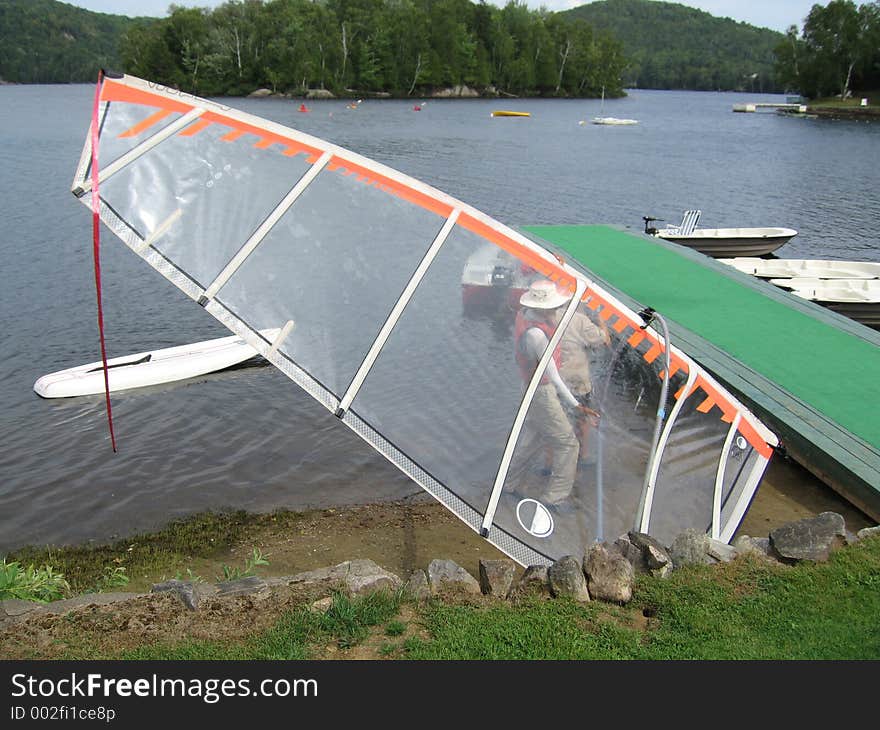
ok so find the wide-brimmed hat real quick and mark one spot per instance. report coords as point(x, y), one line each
point(543, 294)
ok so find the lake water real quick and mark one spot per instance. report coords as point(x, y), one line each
point(249, 438)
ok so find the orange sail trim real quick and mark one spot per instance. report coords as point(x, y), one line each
point(193, 129)
point(114, 91)
point(745, 428)
point(636, 338)
point(652, 354)
point(706, 405)
point(146, 124)
point(523, 253)
point(370, 177)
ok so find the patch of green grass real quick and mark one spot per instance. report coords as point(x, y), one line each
point(32, 583)
point(533, 629)
point(395, 628)
point(294, 636)
point(168, 551)
point(250, 564)
point(744, 610)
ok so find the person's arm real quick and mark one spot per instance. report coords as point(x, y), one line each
point(536, 343)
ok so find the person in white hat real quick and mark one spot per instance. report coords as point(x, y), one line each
point(542, 308)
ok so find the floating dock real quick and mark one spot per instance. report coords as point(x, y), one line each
point(810, 374)
point(753, 107)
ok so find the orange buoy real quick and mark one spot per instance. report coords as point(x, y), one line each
point(303, 108)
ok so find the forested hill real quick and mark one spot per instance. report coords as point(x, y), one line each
point(44, 41)
point(670, 46)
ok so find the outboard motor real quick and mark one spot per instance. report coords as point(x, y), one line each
point(501, 276)
point(649, 229)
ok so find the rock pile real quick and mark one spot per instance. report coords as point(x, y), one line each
point(607, 572)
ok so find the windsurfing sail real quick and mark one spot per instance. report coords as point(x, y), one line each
point(362, 270)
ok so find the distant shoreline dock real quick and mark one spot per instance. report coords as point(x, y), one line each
point(753, 107)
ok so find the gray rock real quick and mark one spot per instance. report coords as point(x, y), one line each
point(690, 548)
point(759, 546)
point(14, 609)
point(365, 576)
point(566, 578)
point(812, 538)
point(721, 551)
point(632, 553)
point(655, 557)
point(260, 93)
point(609, 575)
point(868, 532)
point(496, 577)
point(322, 605)
point(417, 586)
point(534, 578)
point(446, 574)
point(88, 599)
point(356, 576)
point(251, 586)
point(184, 590)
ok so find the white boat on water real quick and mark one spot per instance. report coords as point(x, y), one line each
point(805, 268)
point(721, 242)
point(858, 299)
point(613, 121)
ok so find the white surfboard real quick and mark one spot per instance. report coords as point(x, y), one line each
point(149, 368)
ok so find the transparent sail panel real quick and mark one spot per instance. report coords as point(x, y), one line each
point(124, 126)
point(335, 264)
point(445, 390)
point(208, 195)
point(685, 488)
point(571, 481)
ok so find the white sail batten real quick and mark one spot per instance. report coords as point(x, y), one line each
point(160, 231)
point(394, 316)
point(645, 517)
point(148, 144)
point(265, 227)
point(520, 419)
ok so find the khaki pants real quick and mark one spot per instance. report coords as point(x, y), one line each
point(548, 426)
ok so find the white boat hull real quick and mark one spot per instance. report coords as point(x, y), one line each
point(815, 268)
point(731, 242)
point(149, 368)
point(613, 121)
point(858, 299)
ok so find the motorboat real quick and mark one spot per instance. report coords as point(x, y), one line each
point(804, 268)
point(858, 299)
point(721, 242)
point(612, 121)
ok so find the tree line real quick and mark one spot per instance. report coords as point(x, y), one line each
point(837, 51)
point(401, 47)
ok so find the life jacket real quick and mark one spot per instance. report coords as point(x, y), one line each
point(526, 364)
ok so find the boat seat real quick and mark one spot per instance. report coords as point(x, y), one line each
point(688, 223)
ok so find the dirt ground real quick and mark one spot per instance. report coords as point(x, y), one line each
point(401, 537)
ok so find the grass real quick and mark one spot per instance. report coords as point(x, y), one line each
point(746, 610)
point(298, 634)
point(169, 552)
